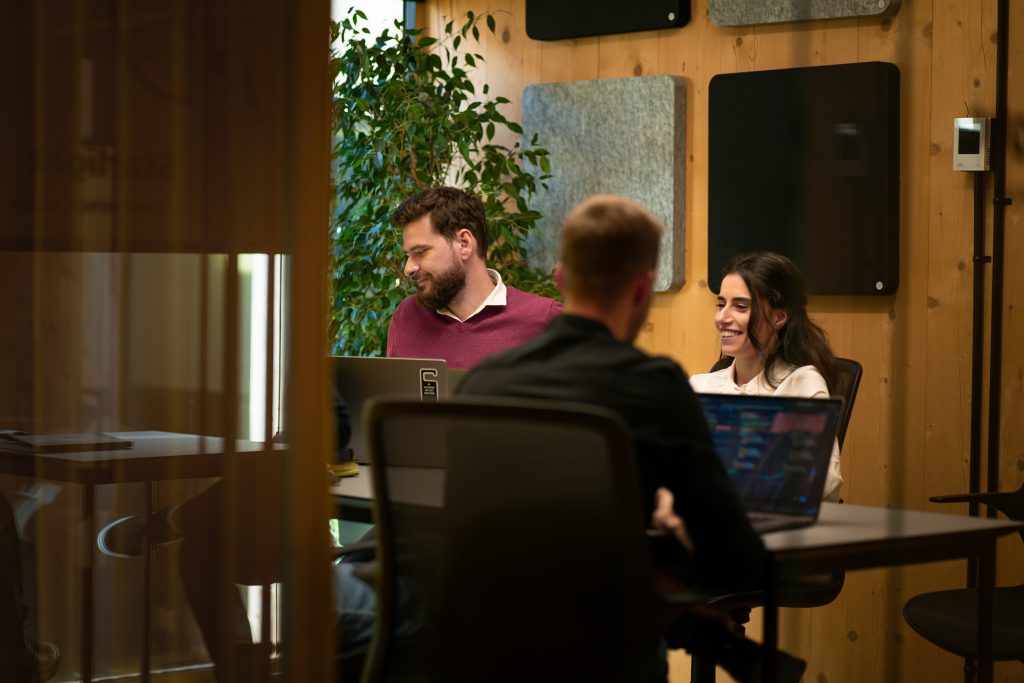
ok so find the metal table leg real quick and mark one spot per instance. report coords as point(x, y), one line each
point(147, 574)
point(771, 624)
point(986, 593)
point(88, 505)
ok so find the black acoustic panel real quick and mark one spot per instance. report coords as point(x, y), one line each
point(557, 19)
point(805, 162)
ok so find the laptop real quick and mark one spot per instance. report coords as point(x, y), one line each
point(455, 376)
point(777, 451)
point(359, 379)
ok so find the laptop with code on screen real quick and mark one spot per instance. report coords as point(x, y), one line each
point(776, 451)
point(359, 378)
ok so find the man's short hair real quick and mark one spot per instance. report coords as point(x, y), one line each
point(450, 209)
point(605, 244)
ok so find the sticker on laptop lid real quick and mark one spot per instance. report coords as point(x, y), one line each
point(428, 384)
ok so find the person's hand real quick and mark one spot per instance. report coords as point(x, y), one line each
point(666, 520)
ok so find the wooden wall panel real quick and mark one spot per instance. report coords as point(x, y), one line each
point(1011, 553)
point(910, 434)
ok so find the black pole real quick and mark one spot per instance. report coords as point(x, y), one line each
point(977, 356)
point(978, 338)
point(998, 229)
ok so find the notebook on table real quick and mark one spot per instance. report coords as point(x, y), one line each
point(359, 379)
point(777, 451)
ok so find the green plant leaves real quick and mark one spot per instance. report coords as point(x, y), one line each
point(407, 117)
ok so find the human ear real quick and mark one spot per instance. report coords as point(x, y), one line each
point(643, 288)
point(779, 318)
point(465, 242)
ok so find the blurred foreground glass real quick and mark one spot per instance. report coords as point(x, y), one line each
point(148, 229)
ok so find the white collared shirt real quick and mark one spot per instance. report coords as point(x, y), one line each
point(805, 382)
point(497, 297)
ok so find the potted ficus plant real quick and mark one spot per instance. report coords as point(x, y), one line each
point(407, 116)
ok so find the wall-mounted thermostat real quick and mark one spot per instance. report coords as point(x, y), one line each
point(971, 144)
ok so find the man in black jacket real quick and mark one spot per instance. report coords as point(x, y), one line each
point(608, 254)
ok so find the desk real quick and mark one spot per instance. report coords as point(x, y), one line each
point(857, 537)
point(154, 456)
point(354, 495)
point(846, 537)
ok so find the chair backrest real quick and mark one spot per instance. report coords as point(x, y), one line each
point(511, 544)
point(847, 381)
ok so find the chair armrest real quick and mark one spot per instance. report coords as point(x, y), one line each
point(687, 597)
point(982, 498)
point(678, 605)
point(961, 498)
point(1010, 503)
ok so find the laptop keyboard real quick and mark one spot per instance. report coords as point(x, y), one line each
point(763, 522)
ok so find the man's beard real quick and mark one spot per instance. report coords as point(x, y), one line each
point(444, 288)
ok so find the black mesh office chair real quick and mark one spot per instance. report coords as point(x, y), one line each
point(949, 618)
point(510, 545)
point(813, 590)
point(847, 382)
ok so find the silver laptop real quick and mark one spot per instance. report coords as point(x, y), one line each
point(359, 379)
point(455, 376)
point(776, 451)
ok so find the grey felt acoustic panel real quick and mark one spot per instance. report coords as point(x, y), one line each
point(623, 136)
point(750, 12)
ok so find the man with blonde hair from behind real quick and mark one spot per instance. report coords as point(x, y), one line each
point(608, 252)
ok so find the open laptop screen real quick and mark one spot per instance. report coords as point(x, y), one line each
point(775, 449)
point(359, 379)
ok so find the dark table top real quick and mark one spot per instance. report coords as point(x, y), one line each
point(845, 536)
point(154, 456)
point(857, 537)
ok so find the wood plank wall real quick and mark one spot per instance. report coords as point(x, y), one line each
point(910, 434)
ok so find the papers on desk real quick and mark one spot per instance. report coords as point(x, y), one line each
point(64, 443)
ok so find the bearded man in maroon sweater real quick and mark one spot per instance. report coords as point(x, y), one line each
point(462, 312)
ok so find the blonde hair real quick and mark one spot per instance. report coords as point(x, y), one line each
point(605, 244)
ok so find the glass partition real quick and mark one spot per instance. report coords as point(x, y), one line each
point(170, 170)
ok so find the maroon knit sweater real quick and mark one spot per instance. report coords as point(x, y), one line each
point(417, 333)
